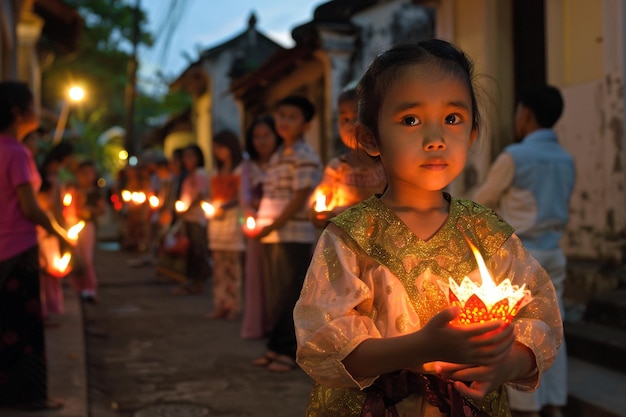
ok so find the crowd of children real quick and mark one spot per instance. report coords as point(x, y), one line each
point(339, 267)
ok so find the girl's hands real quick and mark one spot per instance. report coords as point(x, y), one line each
point(519, 363)
point(477, 344)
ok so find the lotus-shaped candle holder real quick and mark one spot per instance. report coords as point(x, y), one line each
point(485, 302)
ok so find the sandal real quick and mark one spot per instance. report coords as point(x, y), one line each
point(267, 358)
point(282, 364)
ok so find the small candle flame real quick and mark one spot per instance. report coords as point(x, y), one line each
point(67, 199)
point(154, 201)
point(60, 264)
point(138, 197)
point(126, 195)
point(320, 202)
point(208, 208)
point(73, 231)
point(180, 206)
point(250, 223)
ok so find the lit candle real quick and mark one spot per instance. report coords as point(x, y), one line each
point(61, 264)
point(487, 302)
point(138, 197)
point(154, 201)
point(73, 231)
point(250, 223)
point(180, 206)
point(320, 203)
point(126, 195)
point(208, 208)
point(67, 199)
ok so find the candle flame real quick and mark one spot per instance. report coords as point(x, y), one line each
point(138, 197)
point(67, 199)
point(320, 202)
point(250, 223)
point(180, 206)
point(154, 201)
point(126, 195)
point(486, 302)
point(60, 264)
point(208, 209)
point(73, 231)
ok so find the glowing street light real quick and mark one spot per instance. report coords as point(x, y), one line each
point(75, 94)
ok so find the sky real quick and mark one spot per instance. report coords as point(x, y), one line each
point(203, 24)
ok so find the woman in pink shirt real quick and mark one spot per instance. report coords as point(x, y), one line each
point(23, 370)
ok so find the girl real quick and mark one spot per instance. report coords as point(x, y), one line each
point(88, 206)
point(261, 142)
point(225, 235)
point(373, 326)
point(49, 197)
point(194, 190)
point(351, 177)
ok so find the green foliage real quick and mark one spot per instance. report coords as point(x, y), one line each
point(100, 66)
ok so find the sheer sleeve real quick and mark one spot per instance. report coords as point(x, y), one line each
point(538, 325)
point(335, 311)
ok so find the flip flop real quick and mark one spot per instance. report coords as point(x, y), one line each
point(282, 364)
point(265, 360)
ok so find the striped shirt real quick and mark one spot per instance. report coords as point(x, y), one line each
point(289, 170)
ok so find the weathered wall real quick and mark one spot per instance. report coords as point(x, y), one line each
point(588, 67)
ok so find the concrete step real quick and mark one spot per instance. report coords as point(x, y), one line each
point(598, 344)
point(608, 309)
point(595, 391)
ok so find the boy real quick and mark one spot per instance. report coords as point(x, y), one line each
point(285, 231)
point(530, 185)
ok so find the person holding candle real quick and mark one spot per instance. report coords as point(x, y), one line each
point(294, 170)
point(262, 140)
point(225, 234)
point(88, 204)
point(375, 331)
point(349, 178)
point(530, 185)
point(193, 191)
point(22, 349)
point(49, 197)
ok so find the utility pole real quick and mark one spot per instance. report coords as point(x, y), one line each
point(131, 84)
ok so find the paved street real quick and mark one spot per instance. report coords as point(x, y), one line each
point(150, 353)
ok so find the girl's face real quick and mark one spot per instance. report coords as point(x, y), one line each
point(347, 119)
point(221, 152)
point(86, 176)
point(425, 127)
point(264, 140)
point(190, 160)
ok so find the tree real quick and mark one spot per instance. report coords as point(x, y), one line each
point(100, 66)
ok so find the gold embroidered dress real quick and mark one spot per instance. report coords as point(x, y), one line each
point(371, 277)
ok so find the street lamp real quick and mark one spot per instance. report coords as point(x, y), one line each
point(75, 94)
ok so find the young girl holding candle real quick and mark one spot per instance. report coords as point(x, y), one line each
point(374, 328)
point(352, 176)
point(225, 234)
point(88, 205)
point(262, 140)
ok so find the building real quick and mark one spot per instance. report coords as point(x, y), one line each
point(208, 81)
point(27, 26)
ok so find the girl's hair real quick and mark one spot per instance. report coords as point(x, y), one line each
point(13, 94)
point(228, 139)
point(198, 153)
point(261, 120)
point(57, 154)
point(389, 65)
